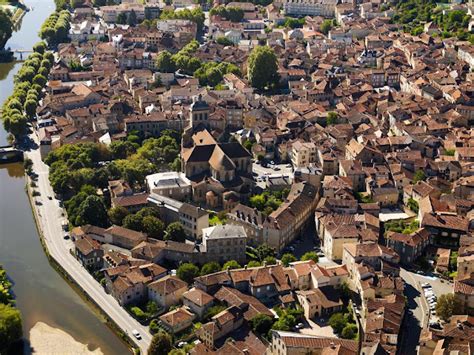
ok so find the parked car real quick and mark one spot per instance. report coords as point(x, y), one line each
point(136, 334)
point(66, 236)
point(299, 326)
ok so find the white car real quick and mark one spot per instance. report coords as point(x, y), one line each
point(136, 334)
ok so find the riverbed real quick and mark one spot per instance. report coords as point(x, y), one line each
point(41, 293)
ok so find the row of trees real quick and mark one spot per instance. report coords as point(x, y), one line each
point(196, 15)
point(29, 83)
point(56, 28)
point(230, 13)
point(10, 318)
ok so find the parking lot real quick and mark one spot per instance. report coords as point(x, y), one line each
point(260, 172)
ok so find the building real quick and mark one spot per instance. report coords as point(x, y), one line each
point(198, 301)
point(89, 253)
point(167, 291)
point(250, 219)
point(287, 222)
point(171, 184)
point(227, 241)
point(408, 246)
point(220, 325)
point(325, 8)
point(177, 320)
point(303, 154)
point(194, 219)
point(319, 302)
point(290, 343)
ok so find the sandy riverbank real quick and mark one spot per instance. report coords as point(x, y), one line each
point(48, 340)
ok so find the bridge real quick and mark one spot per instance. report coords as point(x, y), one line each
point(21, 52)
point(9, 154)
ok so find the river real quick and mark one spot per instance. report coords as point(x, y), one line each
point(41, 293)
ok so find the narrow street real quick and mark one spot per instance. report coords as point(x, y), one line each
point(50, 219)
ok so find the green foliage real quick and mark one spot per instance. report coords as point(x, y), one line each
point(122, 149)
point(165, 63)
point(117, 214)
point(196, 15)
point(413, 205)
point(10, 326)
point(450, 152)
point(260, 253)
point(326, 26)
point(268, 201)
point(154, 326)
point(310, 255)
point(262, 68)
point(253, 263)
point(338, 322)
point(231, 264)
point(210, 268)
point(447, 306)
point(121, 18)
point(211, 73)
point(39, 47)
point(291, 22)
point(288, 318)
point(212, 311)
point(401, 226)
point(230, 13)
point(331, 118)
point(56, 27)
point(453, 261)
point(6, 27)
point(261, 324)
point(138, 313)
point(161, 343)
point(5, 288)
point(92, 211)
point(175, 231)
point(349, 331)
point(287, 258)
point(419, 176)
point(153, 227)
point(187, 272)
point(224, 41)
point(270, 260)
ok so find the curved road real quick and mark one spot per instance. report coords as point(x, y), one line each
point(49, 217)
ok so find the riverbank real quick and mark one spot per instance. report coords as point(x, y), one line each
point(67, 277)
point(46, 340)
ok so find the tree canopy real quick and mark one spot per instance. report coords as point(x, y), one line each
point(187, 272)
point(161, 343)
point(262, 68)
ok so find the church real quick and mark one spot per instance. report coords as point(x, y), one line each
point(220, 173)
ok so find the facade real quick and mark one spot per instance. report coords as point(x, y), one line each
point(89, 253)
point(171, 184)
point(325, 8)
point(319, 302)
point(227, 241)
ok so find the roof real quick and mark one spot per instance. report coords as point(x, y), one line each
point(177, 316)
point(132, 200)
point(167, 285)
point(198, 297)
point(326, 297)
point(126, 233)
point(297, 340)
point(248, 304)
point(457, 223)
point(86, 245)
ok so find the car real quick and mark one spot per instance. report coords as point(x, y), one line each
point(289, 165)
point(272, 162)
point(66, 236)
point(181, 344)
point(320, 254)
point(291, 248)
point(425, 285)
point(419, 272)
point(276, 168)
point(38, 203)
point(435, 325)
point(299, 326)
point(136, 334)
point(50, 198)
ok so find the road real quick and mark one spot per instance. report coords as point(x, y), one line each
point(417, 316)
point(49, 217)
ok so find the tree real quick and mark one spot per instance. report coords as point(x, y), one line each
point(349, 331)
point(262, 68)
point(187, 272)
point(253, 263)
point(337, 321)
point(175, 231)
point(310, 255)
point(132, 18)
point(39, 47)
point(260, 253)
point(331, 118)
point(224, 41)
point(287, 258)
point(151, 308)
point(121, 18)
point(285, 322)
point(161, 343)
point(6, 27)
point(153, 226)
point(447, 306)
point(164, 62)
point(10, 326)
point(40, 80)
point(270, 260)
point(419, 176)
point(210, 268)
point(117, 214)
point(258, 202)
point(261, 323)
point(211, 312)
point(231, 264)
point(30, 107)
point(92, 211)
point(326, 26)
